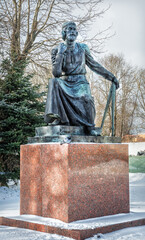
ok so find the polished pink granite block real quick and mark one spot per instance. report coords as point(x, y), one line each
point(98, 180)
point(31, 180)
point(74, 181)
point(54, 163)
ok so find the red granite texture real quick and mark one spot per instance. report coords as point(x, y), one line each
point(74, 181)
point(54, 163)
point(31, 180)
point(80, 234)
point(98, 180)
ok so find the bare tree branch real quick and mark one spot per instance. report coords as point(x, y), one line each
point(28, 19)
point(44, 24)
point(129, 102)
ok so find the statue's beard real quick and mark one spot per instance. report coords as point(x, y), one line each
point(71, 38)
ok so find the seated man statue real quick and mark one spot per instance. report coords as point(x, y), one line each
point(69, 100)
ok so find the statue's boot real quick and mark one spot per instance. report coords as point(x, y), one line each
point(54, 119)
point(92, 131)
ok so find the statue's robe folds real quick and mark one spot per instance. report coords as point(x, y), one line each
point(69, 96)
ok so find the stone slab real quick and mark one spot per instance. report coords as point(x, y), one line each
point(67, 134)
point(59, 130)
point(62, 130)
point(73, 139)
point(75, 233)
point(74, 181)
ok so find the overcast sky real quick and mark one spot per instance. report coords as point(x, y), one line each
point(128, 19)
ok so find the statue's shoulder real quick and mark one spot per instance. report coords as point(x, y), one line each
point(84, 46)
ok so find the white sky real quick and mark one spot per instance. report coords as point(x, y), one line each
point(128, 19)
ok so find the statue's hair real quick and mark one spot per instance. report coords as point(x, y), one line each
point(64, 26)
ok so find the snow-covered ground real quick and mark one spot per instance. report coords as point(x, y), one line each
point(135, 147)
point(9, 206)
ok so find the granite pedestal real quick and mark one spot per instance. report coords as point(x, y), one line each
point(74, 181)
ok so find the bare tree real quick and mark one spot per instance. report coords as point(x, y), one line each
point(128, 95)
point(140, 111)
point(32, 27)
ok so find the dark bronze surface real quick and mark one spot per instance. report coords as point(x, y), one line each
point(69, 100)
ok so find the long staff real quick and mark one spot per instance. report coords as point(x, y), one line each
point(111, 96)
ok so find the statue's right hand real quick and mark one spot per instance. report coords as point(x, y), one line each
point(61, 48)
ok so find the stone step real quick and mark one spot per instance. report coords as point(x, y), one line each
point(78, 230)
point(69, 134)
point(59, 130)
point(73, 138)
point(62, 130)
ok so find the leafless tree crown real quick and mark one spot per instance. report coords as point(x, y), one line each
point(130, 97)
point(32, 27)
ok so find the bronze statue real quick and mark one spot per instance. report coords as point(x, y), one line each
point(69, 100)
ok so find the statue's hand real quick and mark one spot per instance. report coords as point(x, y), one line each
point(61, 48)
point(114, 80)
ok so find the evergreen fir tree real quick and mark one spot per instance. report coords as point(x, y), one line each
point(20, 112)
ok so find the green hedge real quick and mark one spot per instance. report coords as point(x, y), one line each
point(137, 164)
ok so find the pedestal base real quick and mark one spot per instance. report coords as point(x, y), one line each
point(74, 181)
point(67, 134)
point(78, 230)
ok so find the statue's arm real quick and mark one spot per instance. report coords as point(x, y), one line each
point(57, 60)
point(98, 68)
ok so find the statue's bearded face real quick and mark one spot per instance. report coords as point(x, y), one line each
point(71, 32)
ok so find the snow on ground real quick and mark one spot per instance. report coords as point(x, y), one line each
point(10, 200)
point(9, 206)
point(134, 233)
point(137, 192)
point(12, 233)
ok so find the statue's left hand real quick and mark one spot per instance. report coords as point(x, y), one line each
point(114, 80)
